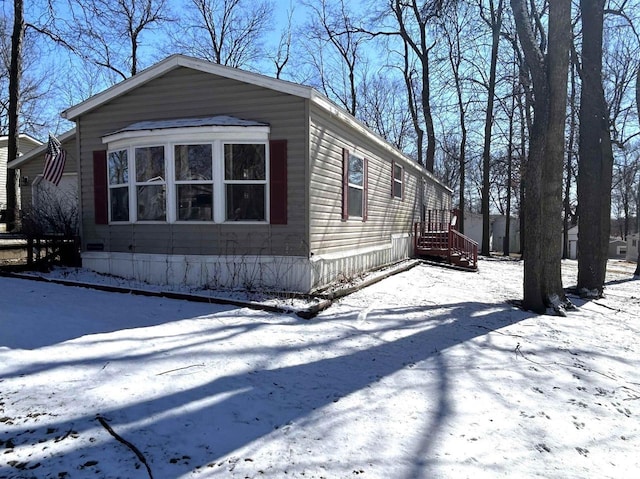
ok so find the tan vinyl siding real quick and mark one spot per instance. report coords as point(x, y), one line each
point(33, 169)
point(184, 93)
point(386, 215)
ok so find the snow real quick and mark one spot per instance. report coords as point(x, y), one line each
point(431, 373)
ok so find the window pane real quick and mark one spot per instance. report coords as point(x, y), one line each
point(118, 167)
point(244, 162)
point(151, 203)
point(245, 202)
point(150, 164)
point(397, 189)
point(195, 202)
point(193, 162)
point(355, 202)
point(355, 171)
point(119, 202)
point(397, 174)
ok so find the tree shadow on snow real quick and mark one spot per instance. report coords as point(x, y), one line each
point(235, 410)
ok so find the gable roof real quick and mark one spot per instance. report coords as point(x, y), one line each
point(176, 61)
point(23, 137)
point(31, 154)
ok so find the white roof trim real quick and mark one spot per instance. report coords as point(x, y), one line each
point(22, 136)
point(39, 150)
point(176, 61)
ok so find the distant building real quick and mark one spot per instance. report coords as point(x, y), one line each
point(617, 247)
point(497, 229)
point(632, 247)
point(25, 144)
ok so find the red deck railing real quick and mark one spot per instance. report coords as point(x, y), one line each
point(438, 236)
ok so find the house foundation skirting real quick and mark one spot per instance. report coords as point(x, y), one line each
point(279, 273)
point(276, 273)
point(347, 265)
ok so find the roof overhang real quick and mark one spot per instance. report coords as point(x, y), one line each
point(68, 135)
point(176, 61)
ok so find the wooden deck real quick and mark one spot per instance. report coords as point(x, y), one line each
point(438, 238)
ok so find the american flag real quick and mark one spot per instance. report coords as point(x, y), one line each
point(54, 161)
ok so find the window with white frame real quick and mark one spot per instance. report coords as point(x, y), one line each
point(398, 177)
point(194, 182)
point(245, 181)
point(189, 176)
point(150, 184)
point(118, 173)
point(355, 176)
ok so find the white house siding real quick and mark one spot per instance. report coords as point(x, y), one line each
point(3, 175)
point(183, 93)
point(25, 144)
point(346, 248)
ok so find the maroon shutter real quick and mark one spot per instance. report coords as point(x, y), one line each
point(278, 182)
point(100, 188)
point(365, 193)
point(393, 178)
point(345, 184)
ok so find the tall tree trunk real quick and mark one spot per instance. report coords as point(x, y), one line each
point(506, 244)
point(569, 170)
point(596, 157)
point(543, 171)
point(15, 70)
point(496, 25)
point(637, 271)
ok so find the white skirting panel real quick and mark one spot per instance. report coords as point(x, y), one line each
point(347, 265)
point(278, 273)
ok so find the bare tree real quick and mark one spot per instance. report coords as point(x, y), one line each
point(543, 172)
point(332, 25)
point(414, 19)
point(383, 108)
point(227, 32)
point(494, 21)
point(282, 54)
point(108, 33)
point(637, 271)
point(453, 26)
point(596, 157)
point(15, 72)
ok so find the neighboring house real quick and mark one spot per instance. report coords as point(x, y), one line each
point(617, 247)
point(632, 247)
point(196, 173)
point(38, 194)
point(26, 143)
point(497, 230)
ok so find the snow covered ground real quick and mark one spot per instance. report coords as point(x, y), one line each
point(432, 373)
